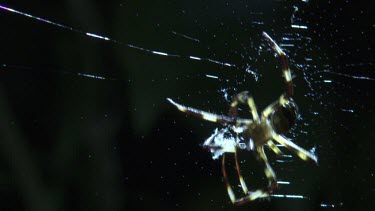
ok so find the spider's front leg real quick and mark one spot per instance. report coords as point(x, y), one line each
point(203, 114)
point(285, 67)
point(243, 98)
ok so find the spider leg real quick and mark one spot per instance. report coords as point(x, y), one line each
point(273, 106)
point(243, 98)
point(227, 149)
point(250, 197)
point(229, 189)
point(274, 148)
point(208, 143)
point(202, 114)
point(270, 174)
point(285, 67)
point(243, 184)
point(302, 153)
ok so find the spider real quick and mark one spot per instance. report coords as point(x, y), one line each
point(252, 134)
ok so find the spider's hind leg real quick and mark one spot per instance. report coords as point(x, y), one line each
point(242, 182)
point(274, 148)
point(251, 195)
point(302, 153)
point(270, 174)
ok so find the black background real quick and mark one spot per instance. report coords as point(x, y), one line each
point(85, 124)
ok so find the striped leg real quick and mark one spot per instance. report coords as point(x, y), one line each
point(303, 154)
point(270, 174)
point(243, 184)
point(209, 142)
point(284, 60)
point(243, 98)
point(226, 148)
point(229, 189)
point(275, 105)
point(250, 197)
point(202, 114)
point(274, 148)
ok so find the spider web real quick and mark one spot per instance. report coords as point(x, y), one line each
point(84, 86)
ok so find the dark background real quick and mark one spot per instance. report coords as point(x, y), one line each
point(85, 124)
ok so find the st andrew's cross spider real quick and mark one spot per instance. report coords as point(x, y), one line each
point(253, 134)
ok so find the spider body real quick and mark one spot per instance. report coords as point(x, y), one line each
point(255, 133)
point(258, 133)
